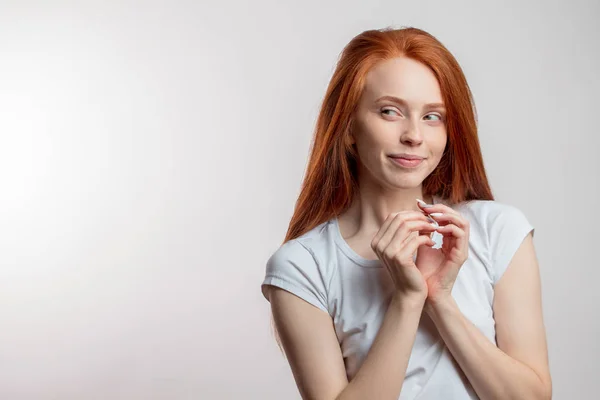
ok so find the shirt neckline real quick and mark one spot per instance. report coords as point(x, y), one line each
point(350, 253)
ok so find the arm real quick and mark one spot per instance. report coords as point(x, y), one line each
point(314, 354)
point(518, 367)
point(382, 373)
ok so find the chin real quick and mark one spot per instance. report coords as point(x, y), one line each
point(408, 181)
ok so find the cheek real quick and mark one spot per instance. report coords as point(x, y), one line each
point(373, 138)
point(439, 144)
point(382, 137)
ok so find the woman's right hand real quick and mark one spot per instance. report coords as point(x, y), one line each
point(396, 243)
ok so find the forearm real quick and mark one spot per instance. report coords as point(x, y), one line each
point(381, 374)
point(492, 373)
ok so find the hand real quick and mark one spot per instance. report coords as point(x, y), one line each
point(440, 267)
point(396, 243)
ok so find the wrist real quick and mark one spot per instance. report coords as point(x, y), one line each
point(433, 304)
point(408, 301)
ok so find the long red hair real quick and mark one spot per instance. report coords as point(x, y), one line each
point(330, 182)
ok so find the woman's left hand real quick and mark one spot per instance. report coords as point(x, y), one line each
point(440, 267)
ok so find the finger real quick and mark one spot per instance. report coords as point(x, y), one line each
point(451, 230)
point(461, 236)
point(407, 250)
point(406, 232)
point(439, 207)
point(384, 227)
point(415, 243)
point(397, 232)
point(396, 219)
point(445, 218)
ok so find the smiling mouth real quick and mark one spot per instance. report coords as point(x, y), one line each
point(407, 163)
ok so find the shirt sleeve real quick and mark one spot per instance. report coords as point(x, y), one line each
point(507, 231)
point(294, 268)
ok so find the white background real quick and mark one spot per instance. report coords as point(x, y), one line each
point(151, 154)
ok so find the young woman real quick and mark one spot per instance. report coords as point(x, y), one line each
point(366, 304)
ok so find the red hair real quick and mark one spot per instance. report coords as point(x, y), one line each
point(330, 182)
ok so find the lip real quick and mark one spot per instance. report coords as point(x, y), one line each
point(407, 163)
point(407, 156)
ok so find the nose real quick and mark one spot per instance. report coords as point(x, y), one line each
point(412, 134)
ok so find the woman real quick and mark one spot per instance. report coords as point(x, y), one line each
point(367, 305)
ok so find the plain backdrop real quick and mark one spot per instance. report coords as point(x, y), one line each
point(151, 153)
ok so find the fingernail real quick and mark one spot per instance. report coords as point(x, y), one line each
point(433, 221)
point(436, 214)
point(423, 204)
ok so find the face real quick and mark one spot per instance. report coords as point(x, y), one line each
point(397, 114)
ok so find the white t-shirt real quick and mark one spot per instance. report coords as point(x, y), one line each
point(321, 268)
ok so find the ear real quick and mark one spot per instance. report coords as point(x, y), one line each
point(350, 138)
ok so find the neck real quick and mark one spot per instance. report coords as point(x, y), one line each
point(372, 206)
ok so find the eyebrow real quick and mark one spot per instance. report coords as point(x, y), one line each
point(404, 102)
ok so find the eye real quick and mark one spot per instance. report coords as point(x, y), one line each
point(383, 110)
point(435, 115)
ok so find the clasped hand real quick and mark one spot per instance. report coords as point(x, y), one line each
point(407, 233)
point(440, 267)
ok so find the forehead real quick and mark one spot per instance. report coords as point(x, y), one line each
point(402, 77)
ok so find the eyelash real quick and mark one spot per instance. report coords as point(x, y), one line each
point(438, 115)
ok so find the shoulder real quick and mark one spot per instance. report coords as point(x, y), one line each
point(500, 229)
point(294, 250)
point(308, 251)
point(490, 214)
point(300, 266)
point(487, 208)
